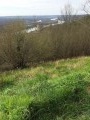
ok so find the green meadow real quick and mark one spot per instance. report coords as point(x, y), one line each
point(58, 90)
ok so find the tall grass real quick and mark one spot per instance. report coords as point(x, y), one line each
point(52, 91)
point(57, 100)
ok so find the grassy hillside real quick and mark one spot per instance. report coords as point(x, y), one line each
point(52, 91)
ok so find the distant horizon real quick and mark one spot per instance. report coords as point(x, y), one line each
point(35, 15)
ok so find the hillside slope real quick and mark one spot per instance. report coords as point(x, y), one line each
point(57, 90)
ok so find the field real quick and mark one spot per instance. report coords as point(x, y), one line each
point(58, 90)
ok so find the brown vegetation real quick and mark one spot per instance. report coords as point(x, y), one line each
point(55, 42)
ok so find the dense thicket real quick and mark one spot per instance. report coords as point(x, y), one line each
point(19, 49)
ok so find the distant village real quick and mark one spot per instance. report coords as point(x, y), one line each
point(39, 25)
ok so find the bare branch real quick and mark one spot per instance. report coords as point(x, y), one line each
point(68, 12)
point(86, 7)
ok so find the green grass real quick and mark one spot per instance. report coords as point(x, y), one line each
point(52, 91)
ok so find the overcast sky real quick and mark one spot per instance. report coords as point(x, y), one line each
point(36, 7)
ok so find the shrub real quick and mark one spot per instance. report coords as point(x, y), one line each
point(55, 42)
point(15, 45)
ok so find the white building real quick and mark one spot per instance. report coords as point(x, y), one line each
point(61, 21)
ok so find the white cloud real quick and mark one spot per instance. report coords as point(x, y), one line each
point(31, 7)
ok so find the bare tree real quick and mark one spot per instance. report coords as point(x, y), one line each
point(68, 13)
point(86, 7)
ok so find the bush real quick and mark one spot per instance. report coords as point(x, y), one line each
point(15, 45)
point(55, 42)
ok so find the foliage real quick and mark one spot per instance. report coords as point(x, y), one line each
point(20, 49)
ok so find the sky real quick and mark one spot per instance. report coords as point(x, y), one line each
point(37, 7)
